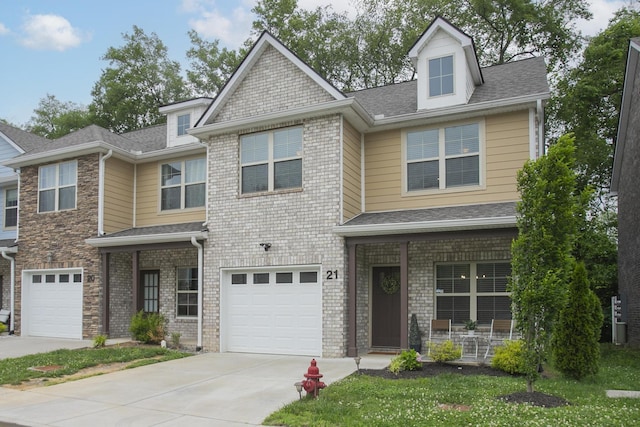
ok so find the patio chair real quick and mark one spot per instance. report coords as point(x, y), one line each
point(501, 331)
point(439, 331)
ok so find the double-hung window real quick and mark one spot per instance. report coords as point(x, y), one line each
point(184, 123)
point(443, 158)
point(271, 160)
point(441, 76)
point(183, 184)
point(475, 291)
point(11, 207)
point(187, 297)
point(57, 187)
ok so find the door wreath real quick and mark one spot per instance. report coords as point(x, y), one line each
point(390, 284)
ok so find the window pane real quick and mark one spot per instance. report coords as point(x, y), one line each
point(50, 278)
point(441, 76)
point(77, 278)
point(47, 202)
point(170, 198)
point(47, 177)
point(171, 174)
point(260, 278)
point(462, 140)
point(422, 175)
point(67, 198)
point(462, 171)
point(287, 143)
point(497, 307)
point(239, 279)
point(64, 278)
point(288, 174)
point(255, 178)
point(194, 195)
point(435, 87)
point(195, 171)
point(493, 277)
point(254, 148)
point(455, 308)
point(183, 124)
point(309, 277)
point(422, 145)
point(67, 173)
point(284, 277)
point(446, 65)
point(36, 278)
point(11, 197)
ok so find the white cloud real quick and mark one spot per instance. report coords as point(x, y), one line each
point(231, 27)
point(3, 29)
point(603, 11)
point(50, 32)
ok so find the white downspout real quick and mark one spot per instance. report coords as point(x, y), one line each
point(103, 160)
point(541, 146)
point(195, 243)
point(13, 291)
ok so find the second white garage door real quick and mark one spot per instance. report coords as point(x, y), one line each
point(276, 311)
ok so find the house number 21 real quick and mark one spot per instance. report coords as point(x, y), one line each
point(332, 274)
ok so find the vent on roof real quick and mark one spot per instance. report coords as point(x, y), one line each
point(378, 117)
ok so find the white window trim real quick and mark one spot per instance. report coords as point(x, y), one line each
point(442, 95)
point(4, 219)
point(442, 189)
point(473, 293)
point(270, 164)
point(178, 292)
point(183, 185)
point(57, 187)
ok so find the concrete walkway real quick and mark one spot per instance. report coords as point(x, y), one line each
point(16, 346)
point(212, 389)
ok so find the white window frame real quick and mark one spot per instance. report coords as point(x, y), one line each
point(57, 187)
point(183, 184)
point(453, 75)
point(442, 160)
point(473, 293)
point(186, 292)
point(271, 161)
point(181, 128)
point(8, 208)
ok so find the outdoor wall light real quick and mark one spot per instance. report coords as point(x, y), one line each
point(265, 246)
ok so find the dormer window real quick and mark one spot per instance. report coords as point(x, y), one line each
point(184, 123)
point(441, 76)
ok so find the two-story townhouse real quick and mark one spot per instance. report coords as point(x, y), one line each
point(13, 142)
point(333, 217)
point(109, 225)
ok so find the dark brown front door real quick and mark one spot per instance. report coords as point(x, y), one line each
point(385, 307)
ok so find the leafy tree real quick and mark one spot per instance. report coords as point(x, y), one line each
point(576, 335)
point(211, 66)
point(541, 255)
point(54, 118)
point(140, 78)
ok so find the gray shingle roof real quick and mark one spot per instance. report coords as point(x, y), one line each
point(188, 227)
point(490, 210)
point(25, 140)
point(148, 139)
point(7, 243)
point(510, 80)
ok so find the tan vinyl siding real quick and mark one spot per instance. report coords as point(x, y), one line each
point(506, 150)
point(118, 195)
point(352, 166)
point(148, 200)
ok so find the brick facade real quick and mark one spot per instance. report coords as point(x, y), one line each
point(62, 236)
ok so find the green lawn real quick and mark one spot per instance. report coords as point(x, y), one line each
point(16, 370)
point(359, 400)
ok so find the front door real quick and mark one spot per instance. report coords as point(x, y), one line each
point(385, 307)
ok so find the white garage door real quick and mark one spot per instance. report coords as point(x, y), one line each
point(52, 304)
point(275, 311)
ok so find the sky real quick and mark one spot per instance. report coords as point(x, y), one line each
point(55, 46)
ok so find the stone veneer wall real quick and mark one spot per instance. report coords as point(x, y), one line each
point(121, 293)
point(63, 235)
point(5, 285)
point(298, 223)
point(423, 255)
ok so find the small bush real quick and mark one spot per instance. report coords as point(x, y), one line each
point(99, 341)
point(405, 361)
point(445, 352)
point(175, 339)
point(510, 358)
point(149, 328)
point(3, 327)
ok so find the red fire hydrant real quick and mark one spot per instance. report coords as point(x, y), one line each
point(312, 384)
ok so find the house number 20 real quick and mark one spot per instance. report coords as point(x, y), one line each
point(332, 274)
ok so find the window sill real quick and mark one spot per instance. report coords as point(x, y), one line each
point(187, 318)
point(178, 211)
point(437, 191)
point(270, 193)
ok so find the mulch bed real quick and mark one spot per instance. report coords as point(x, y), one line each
point(432, 369)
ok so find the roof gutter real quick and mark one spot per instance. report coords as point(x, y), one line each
point(107, 242)
point(424, 226)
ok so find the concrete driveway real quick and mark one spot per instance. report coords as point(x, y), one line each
point(16, 346)
point(211, 389)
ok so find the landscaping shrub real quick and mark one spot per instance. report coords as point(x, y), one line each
point(99, 341)
point(445, 352)
point(510, 357)
point(3, 327)
point(149, 328)
point(405, 361)
point(575, 341)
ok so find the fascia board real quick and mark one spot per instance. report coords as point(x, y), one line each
point(13, 144)
point(349, 106)
point(172, 152)
point(424, 227)
point(13, 179)
point(177, 106)
point(106, 242)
